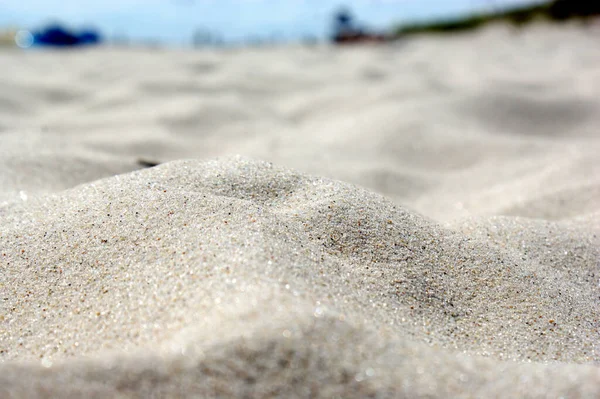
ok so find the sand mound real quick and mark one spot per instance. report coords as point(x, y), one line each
point(239, 277)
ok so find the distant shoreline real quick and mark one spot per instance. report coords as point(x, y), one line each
point(554, 11)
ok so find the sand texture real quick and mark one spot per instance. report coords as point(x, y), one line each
point(413, 220)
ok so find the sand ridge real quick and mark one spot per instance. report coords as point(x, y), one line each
point(149, 254)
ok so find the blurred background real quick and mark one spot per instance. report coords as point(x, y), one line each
point(256, 22)
point(410, 119)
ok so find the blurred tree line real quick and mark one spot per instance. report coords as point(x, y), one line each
point(557, 10)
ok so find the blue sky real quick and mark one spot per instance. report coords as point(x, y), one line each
point(174, 21)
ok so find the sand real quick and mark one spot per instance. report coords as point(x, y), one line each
point(418, 219)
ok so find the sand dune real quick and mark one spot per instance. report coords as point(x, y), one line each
point(420, 219)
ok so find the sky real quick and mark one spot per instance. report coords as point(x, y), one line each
point(175, 21)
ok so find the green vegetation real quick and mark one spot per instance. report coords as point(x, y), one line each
point(558, 10)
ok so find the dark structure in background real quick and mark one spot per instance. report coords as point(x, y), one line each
point(346, 31)
point(57, 35)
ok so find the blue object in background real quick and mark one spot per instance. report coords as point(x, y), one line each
point(89, 37)
point(56, 35)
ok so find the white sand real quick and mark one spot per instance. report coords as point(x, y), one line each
point(477, 276)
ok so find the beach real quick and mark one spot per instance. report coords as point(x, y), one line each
point(414, 219)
